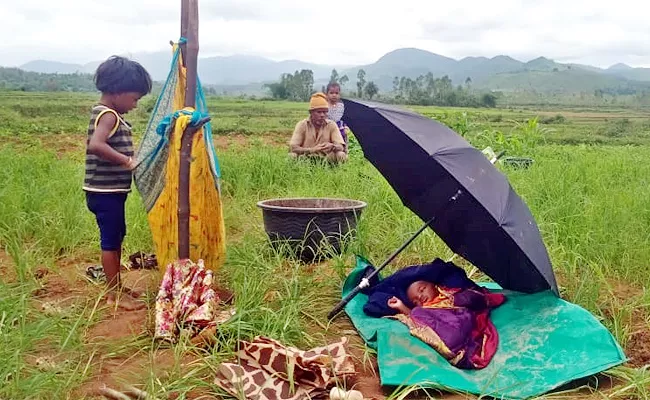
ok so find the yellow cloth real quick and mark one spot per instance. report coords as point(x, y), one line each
point(318, 100)
point(207, 228)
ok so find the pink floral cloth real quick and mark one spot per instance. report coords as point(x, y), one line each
point(186, 299)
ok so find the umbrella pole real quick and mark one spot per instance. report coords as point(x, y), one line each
point(365, 281)
point(189, 50)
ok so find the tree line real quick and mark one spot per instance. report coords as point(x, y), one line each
point(295, 87)
point(426, 90)
point(299, 86)
point(423, 90)
point(17, 79)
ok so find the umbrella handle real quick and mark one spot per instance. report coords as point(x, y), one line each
point(365, 282)
point(339, 307)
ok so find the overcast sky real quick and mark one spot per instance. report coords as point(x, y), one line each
point(336, 32)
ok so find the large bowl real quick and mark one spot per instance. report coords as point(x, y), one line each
point(313, 228)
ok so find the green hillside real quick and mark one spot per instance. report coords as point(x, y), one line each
point(564, 81)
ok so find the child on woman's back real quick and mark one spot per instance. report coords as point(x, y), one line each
point(336, 109)
point(109, 163)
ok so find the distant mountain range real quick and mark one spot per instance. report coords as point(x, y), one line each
point(497, 73)
point(231, 70)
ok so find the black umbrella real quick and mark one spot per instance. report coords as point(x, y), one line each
point(458, 192)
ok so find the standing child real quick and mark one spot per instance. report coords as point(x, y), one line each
point(337, 109)
point(109, 163)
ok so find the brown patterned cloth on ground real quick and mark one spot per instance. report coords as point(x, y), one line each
point(268, 370)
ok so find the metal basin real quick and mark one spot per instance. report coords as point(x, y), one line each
point(313, 228)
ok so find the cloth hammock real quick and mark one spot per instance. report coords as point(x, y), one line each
point(157, 174)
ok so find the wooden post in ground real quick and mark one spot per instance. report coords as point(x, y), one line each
point(189, 51)
point(184, 24)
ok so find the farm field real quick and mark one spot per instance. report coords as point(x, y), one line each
point(589, 190)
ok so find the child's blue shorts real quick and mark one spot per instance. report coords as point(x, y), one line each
point(109, 212)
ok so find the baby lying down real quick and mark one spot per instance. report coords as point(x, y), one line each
point(453, 321)
point(452, 316)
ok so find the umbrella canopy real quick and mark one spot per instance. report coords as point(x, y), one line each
point(427, 164)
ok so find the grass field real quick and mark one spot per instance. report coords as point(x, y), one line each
point(588, 189)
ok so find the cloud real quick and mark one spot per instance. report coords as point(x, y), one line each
point(241, 10)
point(337, 32)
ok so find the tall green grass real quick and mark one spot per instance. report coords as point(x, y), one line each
point(36, 114)
point(592, 205)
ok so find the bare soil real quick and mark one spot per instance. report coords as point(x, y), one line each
point(67, 285)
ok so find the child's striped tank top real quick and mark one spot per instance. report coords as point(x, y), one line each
point(101, 175)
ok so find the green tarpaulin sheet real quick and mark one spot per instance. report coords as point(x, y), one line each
point(545, 342)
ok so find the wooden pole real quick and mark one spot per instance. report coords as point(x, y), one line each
point(184, 23)
point(192, 51)
point(189, 30)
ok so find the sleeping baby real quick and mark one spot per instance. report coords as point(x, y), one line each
point(454, 321)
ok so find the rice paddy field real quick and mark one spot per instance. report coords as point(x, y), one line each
point(588, 188)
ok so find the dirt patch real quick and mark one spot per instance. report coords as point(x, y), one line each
point(65, 144)
point(66, 283)
point(118, 372)
point(65, 286)
point(623, 291)
point(76, 261)
point(48, 361)
point(368, 384)
point(7, 268)
point(322, 271)
point(366, 379)
point(194, 394)
point(61, 144)
point(138, 368)
point(621, 300)
point(143, 281)
point(56, 287)
point(224, 142)
point(119, 325)
point(638, 347)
